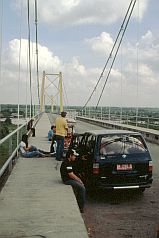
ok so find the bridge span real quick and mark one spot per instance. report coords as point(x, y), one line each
point(34, 202)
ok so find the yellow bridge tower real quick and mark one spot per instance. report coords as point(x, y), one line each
point(45, 90)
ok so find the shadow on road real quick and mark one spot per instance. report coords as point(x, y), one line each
point(114, 197)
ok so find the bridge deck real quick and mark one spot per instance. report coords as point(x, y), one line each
point(34, 202)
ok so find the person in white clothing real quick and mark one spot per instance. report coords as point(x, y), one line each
point(30, 151)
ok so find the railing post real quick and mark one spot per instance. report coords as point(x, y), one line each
point(10, 166)
point(148, 122)
point(109, 114)
point(85, 112)
point(9, 153)
point(101, 116)
point(7, 145)
point(10, 146)
point(127, 119)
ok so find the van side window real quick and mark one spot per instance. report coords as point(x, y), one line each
point(91, 143)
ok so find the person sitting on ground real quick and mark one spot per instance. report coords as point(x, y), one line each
point(70, 176)
point(30, 151)
point(51, 133)
point(30, 127)
point(53, 142)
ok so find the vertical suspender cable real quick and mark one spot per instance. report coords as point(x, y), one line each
point(121, 90)
point(1, 33)
point(37, 58)
point(137, 69)
point(65, 95)
point(19, 75)
point(33, 68)
point(26, 99)
point(30, 76)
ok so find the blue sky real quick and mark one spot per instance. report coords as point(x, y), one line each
point(75, 37)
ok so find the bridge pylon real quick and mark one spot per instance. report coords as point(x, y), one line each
point(50, 90)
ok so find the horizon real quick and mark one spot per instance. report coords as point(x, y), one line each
point(28, 106)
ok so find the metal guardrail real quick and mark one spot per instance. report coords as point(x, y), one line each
point(9, 146)
point(149, 134)
point(9, 163)
point(135, 120)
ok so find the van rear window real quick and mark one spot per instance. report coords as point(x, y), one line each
point(122, 144)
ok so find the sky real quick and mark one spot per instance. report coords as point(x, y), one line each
point(75, 37)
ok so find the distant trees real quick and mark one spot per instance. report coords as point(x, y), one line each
point(8, 121)
point(4, 127)
point(6, 113)
point(4, 131)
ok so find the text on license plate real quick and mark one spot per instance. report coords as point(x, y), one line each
point(124, 167)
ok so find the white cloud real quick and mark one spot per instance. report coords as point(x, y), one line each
point(75, 75)
point(147, 38)
point(147, 74)
point(79, 12)
point(139, 67)
point(46, 58)
point(79, 78)
point(10, 68)
point(101, 44)
point(76, 68)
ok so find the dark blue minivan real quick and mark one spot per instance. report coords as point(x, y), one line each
point(114, 159)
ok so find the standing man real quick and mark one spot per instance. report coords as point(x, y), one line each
point(61, 130)
point(70, 176)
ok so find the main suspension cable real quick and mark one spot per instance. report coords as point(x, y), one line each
point(110, 55)
point(116, 53)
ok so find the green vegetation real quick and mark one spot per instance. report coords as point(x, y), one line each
point(146, 117)
point(6, 127)
point(131, 111)
point(7, 109)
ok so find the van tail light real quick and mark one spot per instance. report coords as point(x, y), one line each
point(150, 166)
point(95, 168)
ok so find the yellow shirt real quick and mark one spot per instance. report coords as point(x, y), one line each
point(61, 126)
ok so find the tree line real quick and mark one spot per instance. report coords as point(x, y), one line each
point(5, 127)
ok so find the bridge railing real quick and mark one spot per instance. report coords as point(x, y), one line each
point(9, 147)
point(150, 135)
point(134, 120)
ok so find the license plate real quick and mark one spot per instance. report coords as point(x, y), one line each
point(124, 167)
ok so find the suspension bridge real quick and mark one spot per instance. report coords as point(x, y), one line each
point(33, 201)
